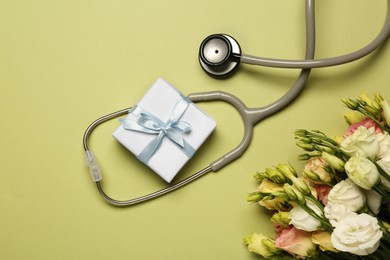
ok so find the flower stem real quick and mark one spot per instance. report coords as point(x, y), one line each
point(382, 190)
point(324, 222)
point(381, 171)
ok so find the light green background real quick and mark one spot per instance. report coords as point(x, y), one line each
point(65, 63)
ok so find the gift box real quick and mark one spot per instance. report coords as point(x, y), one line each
point(164, 129)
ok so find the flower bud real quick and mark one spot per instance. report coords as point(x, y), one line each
point(281, 218)
point(300, 132)
point(353, 117)
point(275, 195)
point(351, 104)
point(371, 105)
point(386, 227)
point(386, 111)
point(255, 197)
point(300, 198)
point(276, 201)
point(338, 138)
point(311, 175)
point(316, 139)
point(333, 161)
point(322, 239)
point(290, 192)
point(378, 98)
point(327, 149)
point(305, 157)
point(304, 139)
point(287, 171)
point(261, 245)
point(259, 176)
point(270, 245)
point(305, 146)
point(301, 186)
point(275, 175)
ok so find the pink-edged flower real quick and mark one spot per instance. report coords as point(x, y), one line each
point(322, 192)
point(296, 242)
point(366, 122)
point(317, 165)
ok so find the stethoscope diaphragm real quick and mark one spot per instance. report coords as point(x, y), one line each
point(219, 54)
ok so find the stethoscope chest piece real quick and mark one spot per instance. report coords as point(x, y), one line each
point(219, 54)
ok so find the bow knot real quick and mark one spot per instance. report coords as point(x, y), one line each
point(174, 130)
point(150, 124)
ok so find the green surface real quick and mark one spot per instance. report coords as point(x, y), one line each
point(65, 63)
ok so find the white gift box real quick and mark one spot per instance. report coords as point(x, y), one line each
point(160, 103)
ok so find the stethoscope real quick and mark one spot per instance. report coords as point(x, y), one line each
point(220, 55)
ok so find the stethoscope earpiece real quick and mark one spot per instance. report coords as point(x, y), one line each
point(219, 54)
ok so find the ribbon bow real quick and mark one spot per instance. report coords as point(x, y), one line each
point(150, 124)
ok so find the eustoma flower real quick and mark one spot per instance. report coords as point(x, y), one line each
point(363, 142)
point(296, 242)
point(265, 196)
point(335, 212)
point(362, 171)
point(301, 219)
point(384, 144)
point(318, 165)
point(338, 206)
point(347, 193)
point(358, 234)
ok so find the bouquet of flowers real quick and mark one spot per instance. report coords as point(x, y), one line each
point(338, 206)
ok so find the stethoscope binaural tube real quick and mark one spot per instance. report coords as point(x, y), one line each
point(250, 117)
point(213, 69)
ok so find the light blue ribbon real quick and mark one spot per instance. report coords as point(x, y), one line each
point(173, 129)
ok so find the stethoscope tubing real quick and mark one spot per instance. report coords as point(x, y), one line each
point(326, 62)
point(249, 116)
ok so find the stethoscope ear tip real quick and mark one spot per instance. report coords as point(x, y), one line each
point(219, 55)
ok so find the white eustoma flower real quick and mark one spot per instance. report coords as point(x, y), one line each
point(362, 171)
point(358, 234)
point(374, 200)
point(363, 142)
point(384, 144)
point(336, 212)
point(347, 193)
point(302, 220)
point(384, 163)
